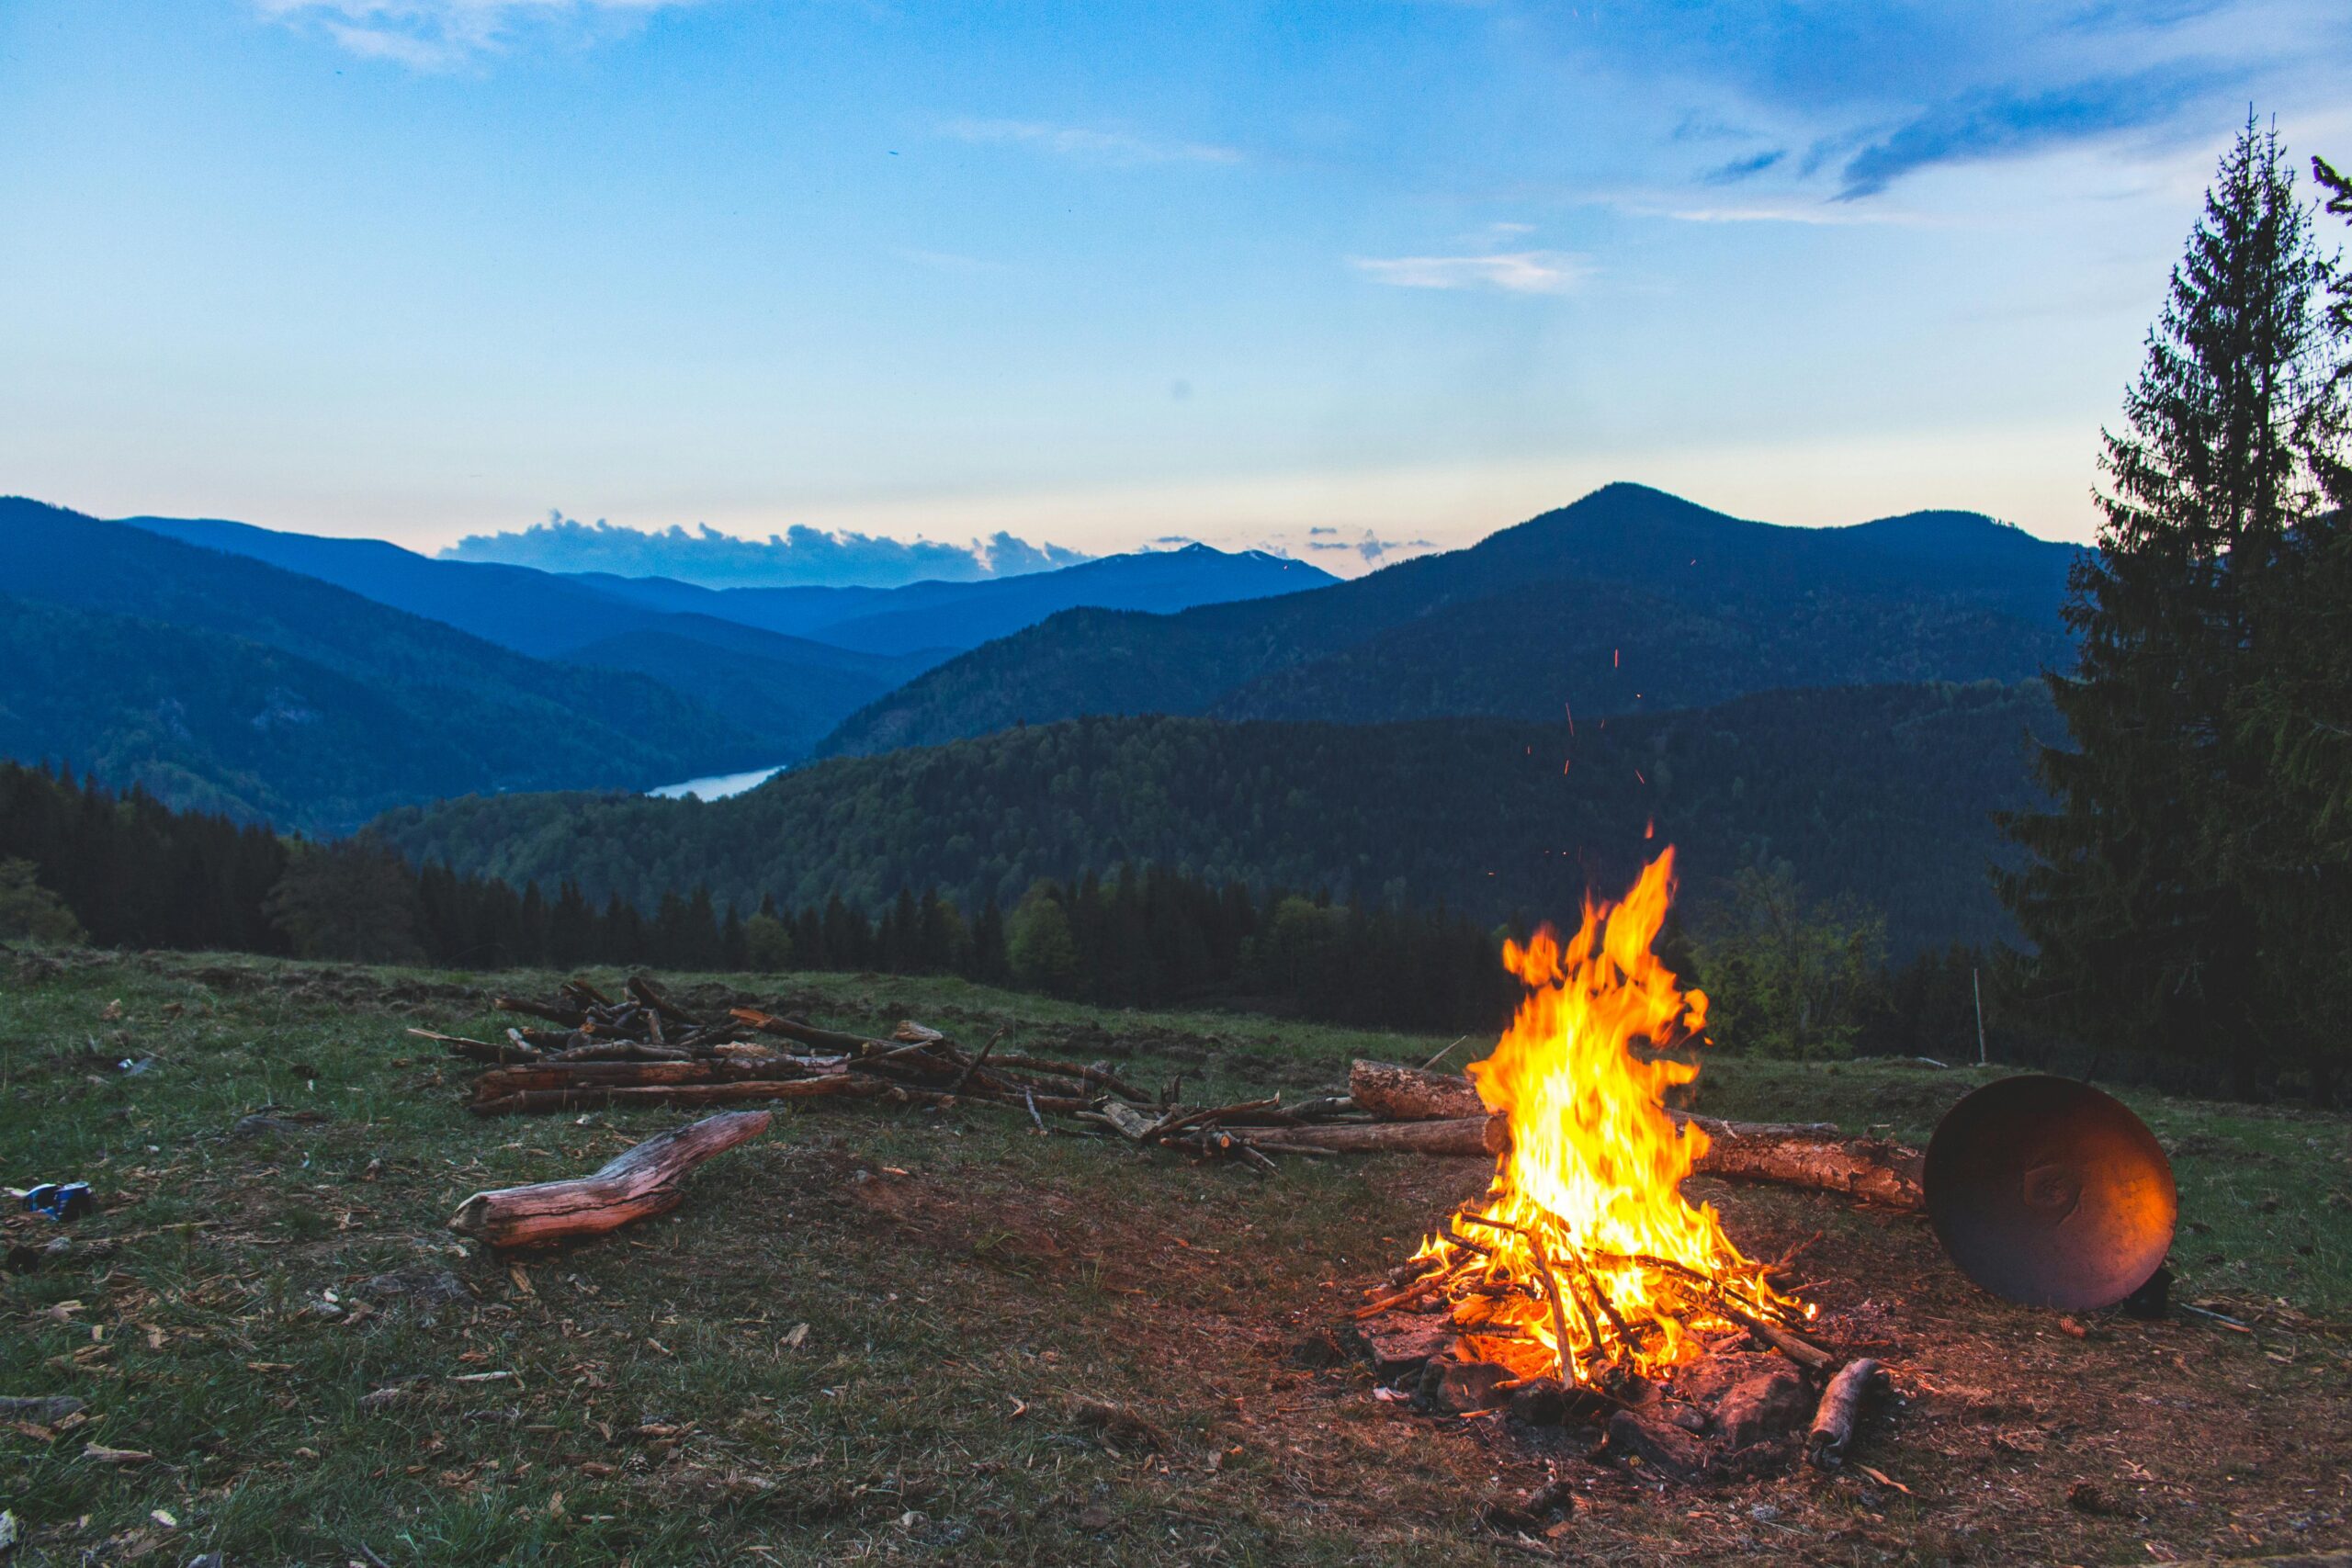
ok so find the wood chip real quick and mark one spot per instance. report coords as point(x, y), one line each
point(104, 1455)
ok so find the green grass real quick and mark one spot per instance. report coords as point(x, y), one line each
point(663, 1407)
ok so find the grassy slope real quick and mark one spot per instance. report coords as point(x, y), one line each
point(661, 1412)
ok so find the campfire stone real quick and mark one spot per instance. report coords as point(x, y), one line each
point(1543, 1403)
point(1665, 1448)
point(1459, 1388)
point(1764, 1407)
point(1398, 1344)
point(1756, 1398)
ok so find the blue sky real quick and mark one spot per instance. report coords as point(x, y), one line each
point(1100, 273)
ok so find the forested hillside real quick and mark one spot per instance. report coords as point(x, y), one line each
point(1628, 600)
point(1883, 792)
point(227, 683)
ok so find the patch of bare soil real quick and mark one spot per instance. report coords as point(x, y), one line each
point(2012, 1436)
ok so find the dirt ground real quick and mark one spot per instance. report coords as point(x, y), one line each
point(2015, 1436)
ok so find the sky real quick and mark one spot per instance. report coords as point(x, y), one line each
point(1349, 280)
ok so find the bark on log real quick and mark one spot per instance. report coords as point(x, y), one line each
point(1841, 1409)
point(1869, 1169)
point(641, 1182)
point(502, 1081)
point(1395, 1093)
point(1800, 1154)
point(810, 1034)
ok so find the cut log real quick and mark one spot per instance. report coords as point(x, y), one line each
point(810, 1034)
point(1869, 1169)
point(1396, 1093)
point(640, 1183)
point(502, 1081)
point(1840, 1411)
point(1102, 1078)
point(1788, 1154)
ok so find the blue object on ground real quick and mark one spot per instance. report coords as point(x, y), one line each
point(61, 1201)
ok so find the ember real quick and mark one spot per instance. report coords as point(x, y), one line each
point(1584, 1261)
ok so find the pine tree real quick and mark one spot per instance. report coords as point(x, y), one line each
point(2137, 895)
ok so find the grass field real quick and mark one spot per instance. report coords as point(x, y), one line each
point(873, 1334)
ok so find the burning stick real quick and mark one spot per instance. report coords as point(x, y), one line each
point(1560, 1312)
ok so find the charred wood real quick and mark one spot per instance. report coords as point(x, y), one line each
point(1841, 1411)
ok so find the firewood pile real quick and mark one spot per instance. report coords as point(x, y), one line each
point(586, 1050)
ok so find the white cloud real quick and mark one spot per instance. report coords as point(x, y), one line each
point(1083, 143)
point(434, 35)
point(1514, 272)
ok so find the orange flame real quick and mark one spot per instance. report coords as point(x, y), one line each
point(1584, 1260)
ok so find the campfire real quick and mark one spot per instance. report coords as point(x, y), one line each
point(1584, 1261)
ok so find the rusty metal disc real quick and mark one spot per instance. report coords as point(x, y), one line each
point(2045, 1190)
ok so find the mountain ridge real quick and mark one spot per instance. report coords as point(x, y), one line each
point(1859, 598)
point(512, 720)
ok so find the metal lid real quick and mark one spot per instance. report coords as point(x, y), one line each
point(2045, 1190)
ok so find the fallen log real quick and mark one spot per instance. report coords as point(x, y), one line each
point(1841, 1409)
point(500, 1081)
point(1872, 1170)
point(1396, 1093)
point(1789, 1154)
point(639, 1184)
point(1110, 1083)
point(809, 1034)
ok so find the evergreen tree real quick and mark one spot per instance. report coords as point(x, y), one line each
point(2139, 895)
point(1039, 946)
point(352, 899)
point(28, 911)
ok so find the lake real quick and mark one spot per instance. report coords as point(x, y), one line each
point(718, 786)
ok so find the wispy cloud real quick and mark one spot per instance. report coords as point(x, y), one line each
point(1740, 169)
point(1798, 210)
point(436, 35)
point(1513, 272)
point(1087, 143)
point(1371, 548)
point(1998, 124)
